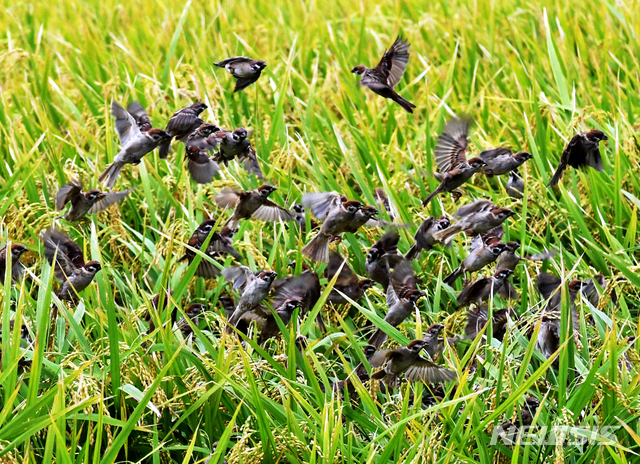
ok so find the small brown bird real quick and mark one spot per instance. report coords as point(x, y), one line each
point(451, 157)
point(17, 268)
point(502, 160)
point(477, 319)
point(402, 295)
point(515, 185)
point(424, 236)
point(475, 218)
point(140, 115)
point(547, 286)
point(509, 430)
point(267, 322)
point(382, 257)
point(70, 269)
point(252, 204)
point(481, 255)
point(83, 203)
point(338, 219)
point(245, 70)
point(583, 150)
point(385, 76)
point(364, 217)
point(181, 125)
point(236, 145)
point(220, 244)
point(347, 281)
point(483, 288)
point(254, 288)
point(155, 303)
point(192, 312)
point(204, 137)
point(383, 201)
point(434, 345)
point(304, 288)
point(407, 361)
point(201, 166)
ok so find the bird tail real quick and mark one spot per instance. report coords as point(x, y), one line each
point(318, 248)
point(557, 176)
point(448, 232)
point(378, 338)
point(413, 253)
point(451, 278)
point(164, 149)
point(431, 196)
point(111, 173)
point(405, 104)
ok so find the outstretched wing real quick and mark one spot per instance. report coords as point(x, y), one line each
point(125, 124)
point(67, 193)
point(451, 149)
point(394, 62)
point(108, 200)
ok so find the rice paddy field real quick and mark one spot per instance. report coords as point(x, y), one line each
point(101, 389)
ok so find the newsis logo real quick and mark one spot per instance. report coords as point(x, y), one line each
point(550, 436)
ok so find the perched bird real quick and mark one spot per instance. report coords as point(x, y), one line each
point(475, 218)
point(201, 166)
point(483, 288)
point(155, 303)
point(364, 217)
point(304, 288)
point(181, 125)
point(245, 70)
point(510, 430)
point(83, 203)
point(236, 145)
point(434, 345)
point(482, 254)
point(299, 216)
point(140, 115)
point(70, 269)
point(583, 150)
point(134, 143)
point(451, 157)
point(382, 257)
point(515, 185)
point(402, 295)
point(221, 244)
point(267, 322)
point(347, 281)
point(254, 288)
point(548, 340)
point(17, 268)
point(407, 361)
point(385, 76)
point(338, 218)
point(252, 204)
point(502, 160)
point(477, 319)
point(192, 313)
point(424, 236)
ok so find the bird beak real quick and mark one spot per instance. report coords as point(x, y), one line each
point(354, 70)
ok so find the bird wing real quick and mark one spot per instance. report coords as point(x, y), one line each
point(233, 59)
point(202, 168)
point(271, 212)
point(320, 203)
point(427, 371)
point(451, 149)
point(379, 358)
point(69, 254)
point(394, 62)
point(473, 208)
point(547, 284)
point(140, 115)
point(182, 120)
point(239, 275)
point(227, 199)
point(108, 200)
point(251, 164)
point(67, 193)
point(347, 277)
point(494, 153)
point(125, 124)
point(403, 276)
point(244, 82)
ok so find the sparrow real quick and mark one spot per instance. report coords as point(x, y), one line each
point(201, 166)
point(509, 260)
point(254, 288)
point(402, 295)
point(17, 268)
point(407, 361)
point(383, 201)
point(245, 70)
point(499, 161)
point(236, 145)
point(134, 143)
point(252, 204)
point(515, 185)
point(477, 319)
point(155, 303)
point(483, 288)
point(475, 218)
point(140, 115)
point(365, 217)
point(548, 340)
point(451, 157)
point(69, 267)
point(482, 254)
point(382, 257)
point(83, 203)
point(204, 137)
point(267, 323)
point(304, 288)
point(385, 76)
point(424, 236)
point(347, 281)
point(434, 345)
point(181, 125)
point(509, 430)
point(583, 150)
point(338, 219)
point(221, 244)
point(299, 216)
point(24, 336)
point(192, 312)
point(548, 284)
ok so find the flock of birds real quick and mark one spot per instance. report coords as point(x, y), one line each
point(208, 148)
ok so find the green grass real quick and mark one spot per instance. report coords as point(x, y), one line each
point(530, 77)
